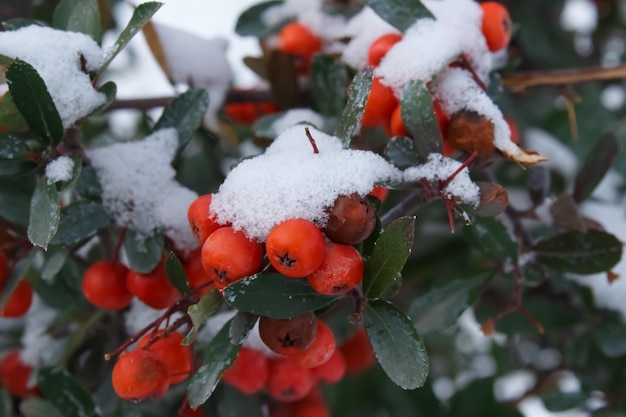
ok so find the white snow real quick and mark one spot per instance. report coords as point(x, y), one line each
point(290, 181)
point(56, 55)
point(139, 189)
point(60, 169)
point(295, 116)
point(197, 62)
point(39, 347)
point(439, 168)
point(579, 16)
point(613, 97)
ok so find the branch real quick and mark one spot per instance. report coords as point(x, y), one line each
point(518, 82)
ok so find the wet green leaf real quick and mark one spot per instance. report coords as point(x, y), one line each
point(10, 116)
point(80, 221)
point(15, 199)
point(418, 115)
point(176, 274)
point(55, 259)
point(200, 312)
point(401, 152)
point(400, 13)
point(12, 147)
point(66, 393)
point(556, 401)
point(143, 252)
point(241, 325)
point(329, 77)
point(250, 22)
point(397, 345)
point(87, 184)
point(492, 237)
point(44, 214)
point(353, 111)
point(78, 16)
point(11, 169)
point(611, 339)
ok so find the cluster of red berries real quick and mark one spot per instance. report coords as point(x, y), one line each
point(383, 107)
point(21, 297)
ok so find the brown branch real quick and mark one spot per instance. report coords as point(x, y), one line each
point(519, 82)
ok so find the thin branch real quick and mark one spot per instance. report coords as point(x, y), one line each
point(405, 207)
point(519, 82)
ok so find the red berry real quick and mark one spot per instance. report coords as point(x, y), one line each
point(228, 256)
point(320, 350)
point(140, 374)
point(396, 124)
point(249, 113)
point(4, 269)
point(310, 407)
point(196, 275)
point(295, 247)
point(287, 336)
point(380, 47)
point(249, 372)
point(104, 285)
point(177, 358)
point(380, 193)
point(341, 271)
point(153, 288)
point(14, 375)
point(350, 220)
point(333, 370)
point(380, 104)
point(496, 26)
point(515, 135)
point(288, 381)
point(186, 411)
point(358, 353)
point(297, 39)
point(19, 301)
point(201, 221)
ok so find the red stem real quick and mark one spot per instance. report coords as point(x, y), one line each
point(313, 144)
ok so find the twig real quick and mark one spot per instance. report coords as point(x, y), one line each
point(518, 82)
point(407, 206)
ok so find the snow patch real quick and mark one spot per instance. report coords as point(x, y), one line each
point(296, 116)
point(59, 170)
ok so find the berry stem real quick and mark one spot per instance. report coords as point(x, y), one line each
point(313, 144)
point(359, 301)
point(118, 245)
point(464, 165)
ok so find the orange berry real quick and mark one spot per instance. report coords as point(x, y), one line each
point(104, 285)
point(14, 375)
point(140, 374)
point(380, 47)
point(249, 112)
point(196, 275)
point(19, 302)
point(380, 104)
point(228, 256)
point(496, 26)
point(287, 336)
point(249, 372)
point(178, 358)
point(295, 247)
point(358, 352)
point(333, 370)
point(320, 350)
point(396, 124)
point(289, 381)
point(297, 39)
point(153, 288)
point(380, 193)
point(341, 270)
point(351, 220)
point(201, 221)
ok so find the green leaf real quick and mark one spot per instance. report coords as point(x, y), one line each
point(263, 128)
point(15, 199)
point(329, 77)
point(241, 325)
point(88, 184)
point(581, 253)
point(564, 211)
point(219, 355)
point(12, 147)
point(185, 114)
point(176, 274)
point(440, 307)
point(10, 116)
point(55, 259)
point(353, 112)
point(390, 253)
point(6, 403)
point(556, 401)
point(78, 16)
point(283, 297)
point(401, 152)
point(610, 338)
point(492, 237)
point(250, 22)
point(17, 273)
point(142, 15)
point(38, 407)
point(109, 89)
point(200, 312)
point(597, 163)
point(418, 115)
point(11, 169)
point(396, 343)
point(44, 214)
point(66, 393)
point(233, 403)
point(143, 252)
point(32, 99)
point(402, 14)
point(80, 221)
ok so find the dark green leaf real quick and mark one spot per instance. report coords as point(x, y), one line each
point(38, 407)
point(611, 339)
point(143, 252)
point(283, 79)
point(32, 99)
point(564, 211)
point(87, 184)
point(10, 169)
point(250, 22)
point(329, 77)
point(55, 259)
point(492, 237)
point(420, 120)
point(142, 15)
point(263, 128)
point(185, 114)
point(234, 403)
point(440, 307)
point(401, 152)
point(176, 274)
point(556, 401)
point(76, 171)
point(15, 201)
point(66, 393)
point(44, 214)
point(397, 344)
point(400, 13)
point(6, 403)
point(597, 163)
point(78, 16)
point(109, 89)
point(10, 116)
point(390, 253)
point(353, 112)
point(200, 312)
point(283, 297)
point(80, 221)
point(218, 356)
point(12, 147)
point(581, 253)
point(241, 325)
point(16, 274)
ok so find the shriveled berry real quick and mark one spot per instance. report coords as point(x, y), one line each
point(249, 372)
point(19, 301)
point(286, 336)
point(496, 26)
point(289, 381)
point(351, 220)
point(229, 255)
point(320, 350)
point(104, 285)
point(379, 106)
point(380, 47)
point(153, 288)
point(341, 271)
point(201, 220)
point(295, 247)
point(470, 131)
point(140, 374)
point(14, 375)
point(178, 358)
